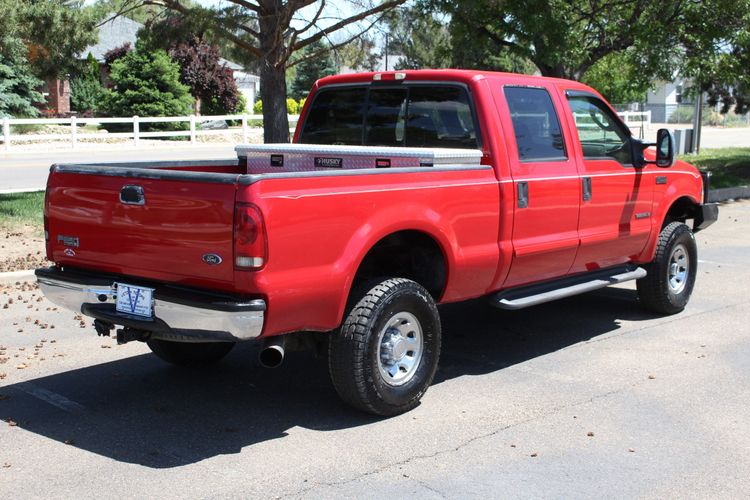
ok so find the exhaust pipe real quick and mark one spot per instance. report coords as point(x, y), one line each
point(271, 354)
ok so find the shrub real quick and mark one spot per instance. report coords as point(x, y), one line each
point(302, 104)
point(291, 106)
point(211, 82)
point(258, 107)
point(147, 84)
point(683, 114)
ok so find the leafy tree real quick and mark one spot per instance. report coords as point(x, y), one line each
point(618, 79)
point(148, 84)
point(264, 29)
point(422, 39)
point(567, 38)
point(117, 53)
point(56, 31)
point(358, 55)
point(315, 63)
point(726, 77)
point(86, 89)
point(210, 81)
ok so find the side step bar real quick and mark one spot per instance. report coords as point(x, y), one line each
point(527, 296)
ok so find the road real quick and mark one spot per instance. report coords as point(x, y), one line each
point(587, 397)
point(28, 170)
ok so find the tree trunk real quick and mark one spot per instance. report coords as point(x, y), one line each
point(273, 72)
point(273, 95)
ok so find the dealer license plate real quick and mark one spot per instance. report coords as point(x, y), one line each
point(135, 300)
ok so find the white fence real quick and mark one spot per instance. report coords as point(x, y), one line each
point(74, 135)
point(633, 119)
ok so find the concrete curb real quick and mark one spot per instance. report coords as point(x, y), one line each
point(732, 193)
point(13, 276)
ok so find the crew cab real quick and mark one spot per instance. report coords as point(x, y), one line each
point(400, 191)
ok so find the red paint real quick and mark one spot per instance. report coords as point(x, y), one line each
point(317, 230)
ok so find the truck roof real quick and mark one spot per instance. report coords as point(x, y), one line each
point(456, 75)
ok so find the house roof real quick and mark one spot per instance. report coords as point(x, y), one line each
point(112, 34)
point(118, 31)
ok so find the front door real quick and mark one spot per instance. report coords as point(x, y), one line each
point(615, 216)
point(546, 187)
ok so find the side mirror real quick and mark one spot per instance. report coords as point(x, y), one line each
point(664, 148)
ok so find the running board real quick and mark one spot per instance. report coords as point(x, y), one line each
point(528, 296)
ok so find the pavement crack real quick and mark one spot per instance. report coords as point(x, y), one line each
point(552, 411)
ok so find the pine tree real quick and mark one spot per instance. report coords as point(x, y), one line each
point(17, 83)
point(148, 84)
point(316, 62)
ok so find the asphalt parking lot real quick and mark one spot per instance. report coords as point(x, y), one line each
point(587, 397)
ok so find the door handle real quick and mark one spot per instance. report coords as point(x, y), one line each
point(523, 194)
point(586, 188)
point(132, 195)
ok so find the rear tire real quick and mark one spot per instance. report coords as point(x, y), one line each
point(190, 355)
point(671, 275)
point(384, 356)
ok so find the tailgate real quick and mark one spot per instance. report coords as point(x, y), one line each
point(169, 229)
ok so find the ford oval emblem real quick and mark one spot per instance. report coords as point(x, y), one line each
point(211, 259)
point(70, 252)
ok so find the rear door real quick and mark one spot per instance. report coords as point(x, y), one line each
point(615, 218)
point(546, 186)
point(168, 229)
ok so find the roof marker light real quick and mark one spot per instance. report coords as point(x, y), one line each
point(377, 77)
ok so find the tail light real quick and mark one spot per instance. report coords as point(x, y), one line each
point(250, 249)
point(47, 237)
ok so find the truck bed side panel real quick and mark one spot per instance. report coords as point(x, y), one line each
point(321, 228)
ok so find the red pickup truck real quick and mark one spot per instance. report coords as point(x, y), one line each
point(402, 190)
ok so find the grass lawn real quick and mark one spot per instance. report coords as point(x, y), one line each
point(21, 208)
point(730, 166)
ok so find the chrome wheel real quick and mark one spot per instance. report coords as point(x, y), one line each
point(400, 348)
point(679, 269)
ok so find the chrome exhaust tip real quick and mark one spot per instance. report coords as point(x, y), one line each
point(271, 355)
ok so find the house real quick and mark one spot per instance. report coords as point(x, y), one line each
point(119, 31)
point(665, 99)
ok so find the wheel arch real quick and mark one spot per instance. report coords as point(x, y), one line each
point(407, 253)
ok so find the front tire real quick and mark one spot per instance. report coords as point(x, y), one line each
point(190, 355)
point(667, 287)
point(384, 356)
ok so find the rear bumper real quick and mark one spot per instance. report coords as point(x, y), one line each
point(180, 314)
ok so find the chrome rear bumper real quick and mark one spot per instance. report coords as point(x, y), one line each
point(179, 314)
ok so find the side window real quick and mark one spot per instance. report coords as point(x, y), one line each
point(601, 134)
point(535, 124)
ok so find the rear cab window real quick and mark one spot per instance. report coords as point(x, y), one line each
point(536, 125)
point(417, 115)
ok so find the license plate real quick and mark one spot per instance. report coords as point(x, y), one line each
point(135, 300)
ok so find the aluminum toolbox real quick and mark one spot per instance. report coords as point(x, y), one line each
point(267, 158)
